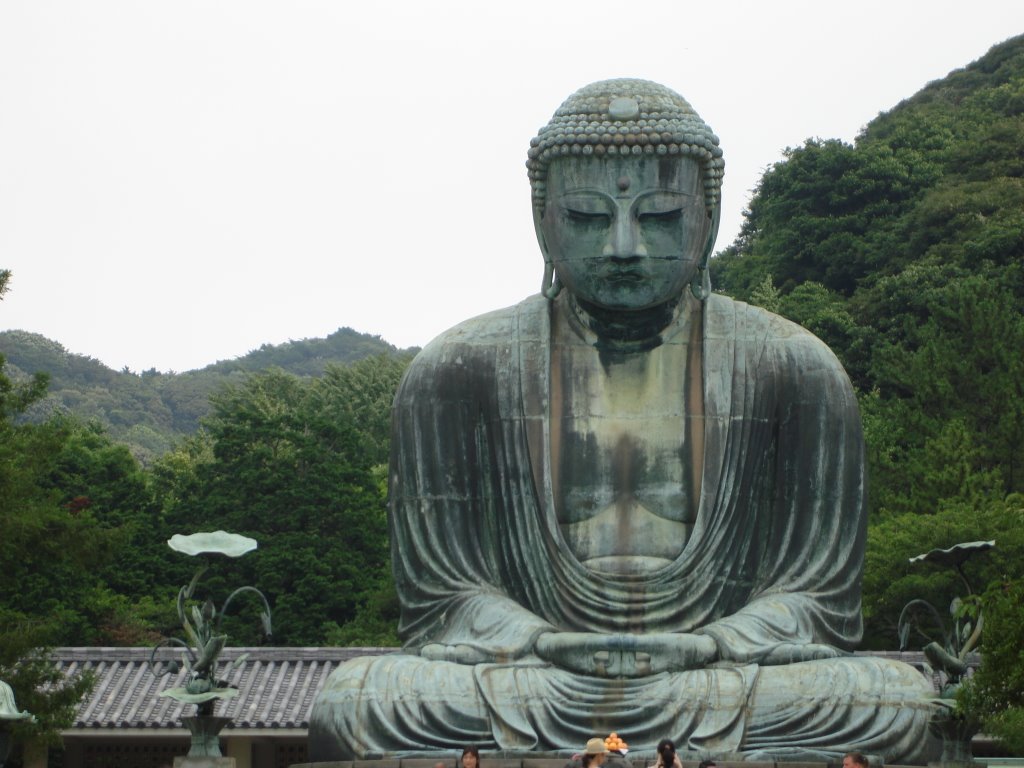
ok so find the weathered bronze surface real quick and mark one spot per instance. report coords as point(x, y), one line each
point(626, 504)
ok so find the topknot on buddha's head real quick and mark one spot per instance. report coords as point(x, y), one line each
point(626, 117)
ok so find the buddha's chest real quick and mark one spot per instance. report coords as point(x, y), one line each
point(615, 460)
point(627, 451)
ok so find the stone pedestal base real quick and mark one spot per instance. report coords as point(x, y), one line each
point(204, 762)
point(205, 738)
point(956, 735)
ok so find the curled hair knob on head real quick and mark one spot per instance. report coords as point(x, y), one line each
point(626, 117)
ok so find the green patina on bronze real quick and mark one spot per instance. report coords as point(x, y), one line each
point(629, 118)
point(627, 504)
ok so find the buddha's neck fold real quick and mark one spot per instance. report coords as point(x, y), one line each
point(633, 330)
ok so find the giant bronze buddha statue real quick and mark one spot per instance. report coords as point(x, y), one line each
point(626, 503)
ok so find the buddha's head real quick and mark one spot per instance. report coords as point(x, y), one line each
point(626, 185)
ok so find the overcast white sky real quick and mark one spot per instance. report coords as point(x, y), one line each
point(181, 182)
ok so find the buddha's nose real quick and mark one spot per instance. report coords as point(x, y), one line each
point(624, 242)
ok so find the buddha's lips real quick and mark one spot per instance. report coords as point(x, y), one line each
point(626, 275)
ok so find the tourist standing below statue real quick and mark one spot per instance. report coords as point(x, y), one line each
point(627, 503)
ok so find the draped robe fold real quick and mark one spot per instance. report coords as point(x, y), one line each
point(773, 561)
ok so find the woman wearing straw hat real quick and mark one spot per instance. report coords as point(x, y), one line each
point(594, 754)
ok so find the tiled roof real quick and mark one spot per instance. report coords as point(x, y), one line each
point(276, 686)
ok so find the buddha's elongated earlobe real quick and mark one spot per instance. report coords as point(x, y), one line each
point(700, 283)
point(550, 286)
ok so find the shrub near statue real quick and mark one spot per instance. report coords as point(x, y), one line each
point(627, 503)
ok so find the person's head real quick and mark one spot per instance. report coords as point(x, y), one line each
point(854, 760)
point(470, 757)
point(626, 183)
point(667, 752)
point(594, 753)
point(707, 764)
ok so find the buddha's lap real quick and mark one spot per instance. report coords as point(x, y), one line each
point(543, 705)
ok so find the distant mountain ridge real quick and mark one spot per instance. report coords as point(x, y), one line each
point(151, 411)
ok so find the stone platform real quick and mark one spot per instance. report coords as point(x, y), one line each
point(549, 762)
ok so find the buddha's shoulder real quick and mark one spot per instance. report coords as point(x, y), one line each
point(771, 338)
point(487, 333)
point(729, 317)
point(481, 341)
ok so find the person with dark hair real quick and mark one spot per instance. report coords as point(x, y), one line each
point(855, 760)
point(667, 757)
point(470, 757)
point(707, 764)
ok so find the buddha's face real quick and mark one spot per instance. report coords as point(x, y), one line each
point(624, 233)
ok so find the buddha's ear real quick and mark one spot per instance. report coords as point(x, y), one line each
point(550, 285)
point(709, 243)
point(538, 218)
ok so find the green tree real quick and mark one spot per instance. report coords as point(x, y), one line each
point(361, 394)
point(952, 380)
point(766, 295)
point(826, 213)
point(33, 525)
point(39, 686)
point(65, 537)
point(289, 469)
point(996, 692)
point(904, 251)
point(891, 581)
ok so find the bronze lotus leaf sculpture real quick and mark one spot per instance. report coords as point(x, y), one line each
point(952, 723)
point(215, 543)
point(203, 641)
point(963, 636)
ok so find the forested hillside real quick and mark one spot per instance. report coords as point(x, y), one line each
point(295, 462)
point(150, 411)
point(904, 251)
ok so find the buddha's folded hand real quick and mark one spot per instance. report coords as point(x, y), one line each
point(792, 653)
point(459, 654)
point(625, 655)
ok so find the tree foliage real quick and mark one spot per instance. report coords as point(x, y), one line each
point(291, 463)
point(42, 549)
point(152, 412)
point(996, 692)
point(891, 580)
point(904, 251)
